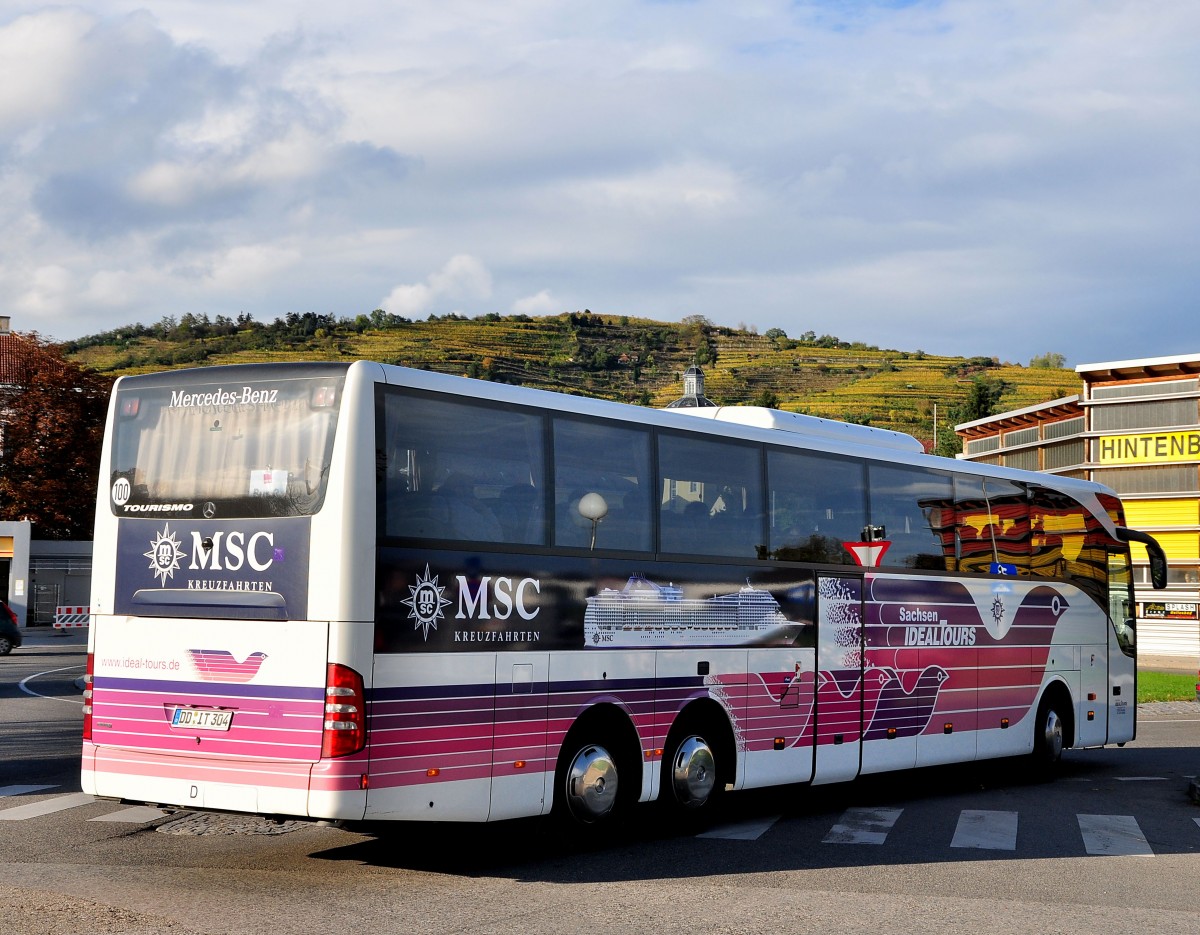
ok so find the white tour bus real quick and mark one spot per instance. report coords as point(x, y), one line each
point(362, 592)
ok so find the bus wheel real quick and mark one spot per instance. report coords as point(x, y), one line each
point(695, 767)
point(589, 784)
point(1049, 735)
point(690, 774)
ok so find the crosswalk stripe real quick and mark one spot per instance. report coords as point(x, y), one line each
point(991, 831)
point(1113, 836)
point(742, 830)
point(863, 826)
point(47, 806)
point(137, 814)
point(22, 790)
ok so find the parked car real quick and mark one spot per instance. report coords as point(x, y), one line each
point(10, 633)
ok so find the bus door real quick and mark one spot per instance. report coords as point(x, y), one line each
point(520, 761)
point(1092, 717)
point(839, 703)
point(1119, 690)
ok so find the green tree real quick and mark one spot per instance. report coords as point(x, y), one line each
point(705, 354)
point(1048, 361)
point(53, 426)
point(982, 400)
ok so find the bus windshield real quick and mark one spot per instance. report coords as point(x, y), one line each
point(257, 448)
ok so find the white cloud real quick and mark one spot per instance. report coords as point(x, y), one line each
point(47, 291)
point(693, 188)
point(253, 265)
point(39, 71)
point(996, 171)
point(409, 301)
point(463, 278)
point(541, 303)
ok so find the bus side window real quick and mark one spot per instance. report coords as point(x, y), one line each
point(908, 502)
point(817, 504)
point(465, 463)
point(991, 517)
point(710, 497)
point(609, 465)
point(1057, 533)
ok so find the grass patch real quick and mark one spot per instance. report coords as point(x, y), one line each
point(1165, 686)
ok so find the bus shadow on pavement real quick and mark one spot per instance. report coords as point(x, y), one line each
point(794, 824)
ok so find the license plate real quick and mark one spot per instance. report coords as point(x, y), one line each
point(201, 719)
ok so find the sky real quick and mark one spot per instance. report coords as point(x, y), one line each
point(1004, 178)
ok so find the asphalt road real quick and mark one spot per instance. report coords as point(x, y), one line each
point(1112, 845)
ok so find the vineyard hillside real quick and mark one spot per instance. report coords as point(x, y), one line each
point(615, 357)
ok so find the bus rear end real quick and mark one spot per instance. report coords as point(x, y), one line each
point(228, 643)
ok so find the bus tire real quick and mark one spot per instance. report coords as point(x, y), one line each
point(588, 782)
point(1051, 733)
point(695, 768)
point(596, 778)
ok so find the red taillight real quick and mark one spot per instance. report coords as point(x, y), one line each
point(87, 698)
point(324, 397)
point(345, 729)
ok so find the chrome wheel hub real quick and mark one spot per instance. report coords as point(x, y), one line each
point(591, 786)
point(1053, 735)
point(693, 772)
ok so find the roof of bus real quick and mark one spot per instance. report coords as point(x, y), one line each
point(748, 422)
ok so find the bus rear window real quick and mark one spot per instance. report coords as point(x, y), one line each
point(259, 448)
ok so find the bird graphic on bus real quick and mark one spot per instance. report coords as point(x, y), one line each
point(220, 665)
point(906, 710)
point(779, 709)
point(838, 700)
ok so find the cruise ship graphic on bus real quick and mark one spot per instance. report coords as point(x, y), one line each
point(644, 613)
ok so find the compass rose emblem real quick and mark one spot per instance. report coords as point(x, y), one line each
point(164, 555)
point(998, 626)
point(426, 602)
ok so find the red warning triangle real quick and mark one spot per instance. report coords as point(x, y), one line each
point(867, 554)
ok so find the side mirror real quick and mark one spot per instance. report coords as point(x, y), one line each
point(1158, 558)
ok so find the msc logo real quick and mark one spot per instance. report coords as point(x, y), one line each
point(219, 552)
point(257, 550)
point(426, 602)
point(164, 555)
point(479, 598)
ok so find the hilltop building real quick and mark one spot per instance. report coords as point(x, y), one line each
point(693, 391)
point(1134, 427)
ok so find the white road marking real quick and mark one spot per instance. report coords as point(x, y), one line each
point(24, 685)
point(47, 806)
point(22, 790)
point(742, 830)
point(863, 826)
point(1113, 836)
point(137, 814)
point(989, 831)
point(1141, 779)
